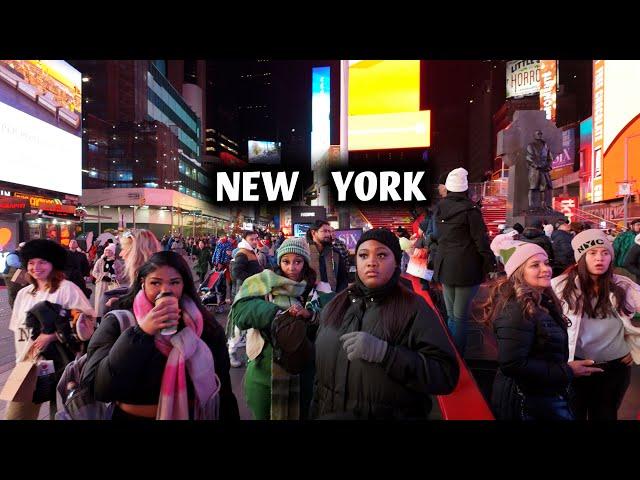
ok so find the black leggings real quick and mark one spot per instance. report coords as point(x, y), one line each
point(599, 396)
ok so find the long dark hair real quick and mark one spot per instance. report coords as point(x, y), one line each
point(579, 297)
point(177, 262)
point(397, 310)
point(504, 289)
point(308, 275)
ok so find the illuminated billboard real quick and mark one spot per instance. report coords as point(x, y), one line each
point(384, 105)
point(40, 124)
point(548, 88)
point(389, 130)
point(267, 153)
point(523, 78)
point(616, 126)
point(320, 113)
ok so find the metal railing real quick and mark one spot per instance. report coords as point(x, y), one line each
point(588, 215)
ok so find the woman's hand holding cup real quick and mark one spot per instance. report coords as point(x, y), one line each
point(163, 316)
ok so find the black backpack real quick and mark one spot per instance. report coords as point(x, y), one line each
point(77, 398)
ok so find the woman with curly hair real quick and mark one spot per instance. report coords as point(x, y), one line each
point(534, 375)
point(600, 306)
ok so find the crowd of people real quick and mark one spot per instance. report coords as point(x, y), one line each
point(320, 342)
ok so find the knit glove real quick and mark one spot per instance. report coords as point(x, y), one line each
point(364, 346)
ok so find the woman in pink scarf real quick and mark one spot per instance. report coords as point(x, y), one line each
point(167, 377)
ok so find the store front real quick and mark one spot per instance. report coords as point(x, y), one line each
point(11, 213)
point(29, 216)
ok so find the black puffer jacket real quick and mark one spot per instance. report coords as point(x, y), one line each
point(421, 362)
point(632, 260)
point(532, 354)
point(128, 367)
point(537, 236)
point(463, 255)
point(244, 265)
point(562, 251)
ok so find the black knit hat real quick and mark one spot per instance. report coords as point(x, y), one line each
point(46, 250)
point(384, 236)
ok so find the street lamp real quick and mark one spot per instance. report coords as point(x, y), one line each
point(626, 176)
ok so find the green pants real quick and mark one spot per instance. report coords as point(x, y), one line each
point(257, 387)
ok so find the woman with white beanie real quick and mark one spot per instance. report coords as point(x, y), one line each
point(534, 374)
point(463, 258)
point(600, 306)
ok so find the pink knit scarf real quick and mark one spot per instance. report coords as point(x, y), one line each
point(184, 348)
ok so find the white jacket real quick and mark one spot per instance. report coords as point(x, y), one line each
point(68, 295)
point(631, 333)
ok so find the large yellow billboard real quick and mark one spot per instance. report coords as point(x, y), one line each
point(384, 105)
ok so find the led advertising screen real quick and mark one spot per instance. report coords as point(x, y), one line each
point(616, 126)
point(350, 238)
point(41, 125)
point(267, 153)
point(320, 113)
point(301, 229)
point(563, 163)
point(384, 105)
point(548, 88)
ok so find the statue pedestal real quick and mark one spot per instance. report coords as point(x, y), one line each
point(527, 217)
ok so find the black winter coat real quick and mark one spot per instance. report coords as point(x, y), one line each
point(562, 251)
point(244, 267)
point(128, 367)
point(632, 260)
point(463, 255)
point(420, 363)
point(534, 235)
point(76, 268)
point(532, 355)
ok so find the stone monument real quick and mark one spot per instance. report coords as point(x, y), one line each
point(527, 147)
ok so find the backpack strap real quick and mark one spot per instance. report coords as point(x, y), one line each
point(125, 318)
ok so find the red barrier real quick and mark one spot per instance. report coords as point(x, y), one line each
point(466, 401)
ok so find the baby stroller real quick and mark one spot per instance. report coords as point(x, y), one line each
point(214, 290)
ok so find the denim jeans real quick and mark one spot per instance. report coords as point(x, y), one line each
point(546, 408)
point(458, 302)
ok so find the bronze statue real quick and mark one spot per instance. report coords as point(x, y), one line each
point(540, 185)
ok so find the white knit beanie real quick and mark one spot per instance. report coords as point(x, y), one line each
point(457, 180)
point(588, 239)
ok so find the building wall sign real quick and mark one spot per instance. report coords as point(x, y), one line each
point(548, 88)
point(53, 205)
point(523, 78)
point(13, 205)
